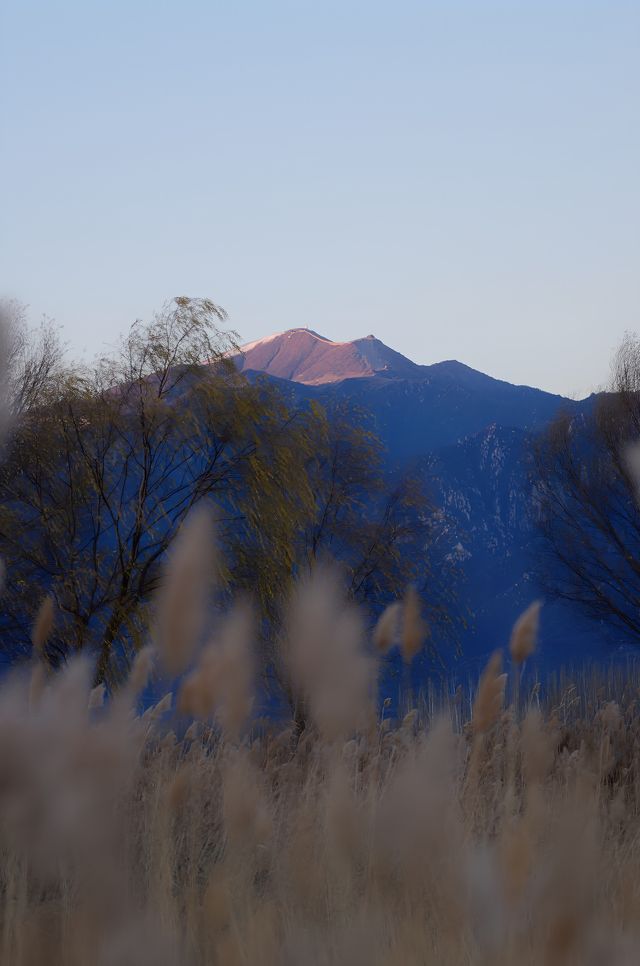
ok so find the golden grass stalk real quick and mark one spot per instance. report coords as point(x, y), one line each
point(414, 629)
point(524, 635)
point(181, 604)
point(489, 696)
point(387, 630)
point(158, 841)
point(43, 624)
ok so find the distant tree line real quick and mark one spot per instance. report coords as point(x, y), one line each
point(103, 463)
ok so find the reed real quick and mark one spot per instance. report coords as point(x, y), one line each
point(469, 832)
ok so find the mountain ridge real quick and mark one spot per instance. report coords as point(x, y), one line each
point(304, 356)
point(469, 436)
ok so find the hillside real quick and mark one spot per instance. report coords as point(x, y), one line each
point(470, 435)
point(416, 408)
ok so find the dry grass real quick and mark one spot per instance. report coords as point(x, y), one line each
point(500, 836)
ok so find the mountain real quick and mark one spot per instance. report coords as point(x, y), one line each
point(484, 485)
point(415, 408)
point(447, 403)
point(302, 355)
point(471, 436)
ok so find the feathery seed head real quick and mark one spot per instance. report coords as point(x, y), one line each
point(140, 670)
point(182, 598)
point(386, 631)
point(525, 633)
point(489, 696)
point(330, 669)
point(414, 629)
point(43, 624)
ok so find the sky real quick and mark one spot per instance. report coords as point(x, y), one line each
point(460, 179)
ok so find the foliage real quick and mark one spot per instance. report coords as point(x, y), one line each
point(343, 508)
point(98, 481)
point(587, 507)
point(101, 473)
point(31, 360)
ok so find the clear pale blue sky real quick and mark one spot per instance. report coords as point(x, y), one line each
point(459, 178)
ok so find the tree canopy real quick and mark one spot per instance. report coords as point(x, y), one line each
point(105, 463)
point(587, 508)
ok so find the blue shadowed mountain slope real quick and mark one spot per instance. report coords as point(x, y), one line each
point(471, 435)
point(416, 409)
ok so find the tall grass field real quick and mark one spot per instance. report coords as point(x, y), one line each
point(192, 833)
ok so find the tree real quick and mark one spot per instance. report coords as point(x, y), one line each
point(31, 359)
point(382, 533)
point(348, 510)
point(587, 508)
point(100, 476)
point(378, 528)
point(106, 463)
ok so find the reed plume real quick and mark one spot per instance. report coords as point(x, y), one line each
point(456, 835)
point(525, 633)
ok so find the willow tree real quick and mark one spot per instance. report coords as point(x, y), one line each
point(379, 527)
point(106, 463)
point(381, 533)
point(101, 473)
